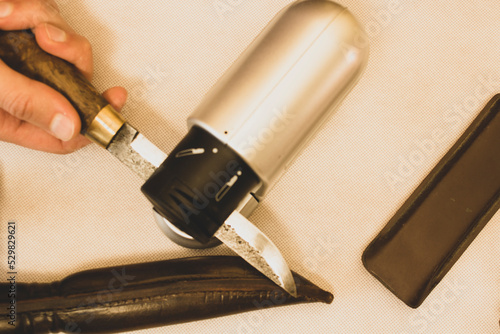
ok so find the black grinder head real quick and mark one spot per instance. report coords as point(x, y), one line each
point(200, 184)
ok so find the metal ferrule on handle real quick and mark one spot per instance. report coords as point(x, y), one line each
point(105, 126)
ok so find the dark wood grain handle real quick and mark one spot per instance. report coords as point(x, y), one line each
point(20, 51)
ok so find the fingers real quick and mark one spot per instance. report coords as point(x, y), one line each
point(18, 132)
point(26, 14)
point(116, 96)
point(38, 104)
point(33, 114)
point(23, 133)
point(66, 45)
point(53, 34)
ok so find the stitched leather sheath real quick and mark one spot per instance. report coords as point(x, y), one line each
point(123, 298)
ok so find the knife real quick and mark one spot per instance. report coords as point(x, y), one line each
point(243, 136)
point(104, 126)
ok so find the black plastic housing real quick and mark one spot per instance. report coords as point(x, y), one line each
point(200, 184)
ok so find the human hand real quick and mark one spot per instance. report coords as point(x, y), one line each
point(32, 114)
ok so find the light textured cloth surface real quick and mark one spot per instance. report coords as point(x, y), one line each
point(429, 61)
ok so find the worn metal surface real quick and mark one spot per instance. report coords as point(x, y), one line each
point(135, 151)
point(256, 248)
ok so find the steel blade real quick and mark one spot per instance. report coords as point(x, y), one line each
point(143, 158)
point(136, 151)
point(253, 246)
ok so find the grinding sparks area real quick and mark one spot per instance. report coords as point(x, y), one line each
point(252, 245)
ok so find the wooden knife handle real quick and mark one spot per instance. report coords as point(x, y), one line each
point(20, 51)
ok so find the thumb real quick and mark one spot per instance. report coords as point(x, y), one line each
point(38, 104)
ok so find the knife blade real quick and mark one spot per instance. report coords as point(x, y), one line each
point(104, 126)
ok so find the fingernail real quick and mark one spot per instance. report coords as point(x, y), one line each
point(54, 33)
point(6, 8)
point(62, 127)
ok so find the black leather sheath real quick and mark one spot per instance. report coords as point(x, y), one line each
point(124, 298)
point(442, 217)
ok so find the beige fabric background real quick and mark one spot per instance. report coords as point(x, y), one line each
point(428, 59)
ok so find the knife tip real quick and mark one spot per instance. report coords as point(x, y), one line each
point(291, 288)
